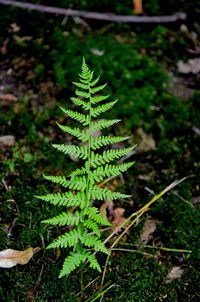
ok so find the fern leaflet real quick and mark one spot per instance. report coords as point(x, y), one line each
point(85, 221)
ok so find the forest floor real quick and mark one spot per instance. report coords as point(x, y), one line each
point(154, 72)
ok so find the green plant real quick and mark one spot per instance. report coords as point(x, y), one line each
point(84, 180)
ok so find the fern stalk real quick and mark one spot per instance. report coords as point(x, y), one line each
point(84, 180)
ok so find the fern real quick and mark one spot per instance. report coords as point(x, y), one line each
point(83, 181)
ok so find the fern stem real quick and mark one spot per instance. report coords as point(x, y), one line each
point(88, 182)
point(89, 152)
point(82, 287)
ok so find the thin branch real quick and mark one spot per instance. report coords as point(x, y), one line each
point(95, 15)
point(134, 251)
point(137, 214)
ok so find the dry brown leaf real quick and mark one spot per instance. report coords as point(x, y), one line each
point(8, 97)
point(10, 258)
point(147, 231)
point(4, 47)
point(118, 221)
point(137, 7)
point(196, 199)
point(191, 66)
point(97, 52)
point(113, 215)
point(118, 217)
point(147, 142)
point(106, 210)
point(58, 253)
point(15, 28)
point(22, 39)
point(7, 140)
point(118, 212)
point(175, 273)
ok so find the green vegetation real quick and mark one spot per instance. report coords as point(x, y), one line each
point(84, 180)
point(159, 108)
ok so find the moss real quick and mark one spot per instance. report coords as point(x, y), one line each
point(136, 65)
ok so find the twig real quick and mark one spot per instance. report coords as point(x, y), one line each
point(196, 130)
point(134, 251)
point(106, 180)
point(101, 231)
point(38, 280)
point(5, 184)
point(89, 284)
point(101, 293)
point(183, 199)
point(160, 248)
point(137, 214)
point(97, 16)
point(11, 228)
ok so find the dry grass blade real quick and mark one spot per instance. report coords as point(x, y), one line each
point(137, 214)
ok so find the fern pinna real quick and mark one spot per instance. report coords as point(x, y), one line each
point(85, 221)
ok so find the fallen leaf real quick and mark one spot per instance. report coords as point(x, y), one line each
point(147, 142)
point(8, 97)
point(4, 47)
point(196, 199)
point(175, 273)
point(15, 28)
point(191, 66)
point(147, 231)
point(7, 140)
point(106, 210)
point(97, 52)
point(10, 258)
point(137, 7)
point(22, 39)
point(145, 177)
point(118, 212)
point(58, 253)
point(118, 217)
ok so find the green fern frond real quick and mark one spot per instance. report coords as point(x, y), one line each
point(93, 262)
point(76, 151)
point(90, 224)
point(93, 212)
point(72, 262)
point(97, 89)
point(81, 118)
point(91, 241)
point(82, 180)
point(82, 93)
point(101, 141)
point(102, 108)
point(75, 183)
point(80, 85)
point(77, 172)
point(108, 156)
point(84, 136)
point(58, 179)
point(78, 183)
point(64, 219)
point(102, 193)
point(66, 199)
point(102, 124)
point(97, 99)
point(79, 102)
point(109, 170)
point(66, 240)
point(94, 82)
point(86, 74)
